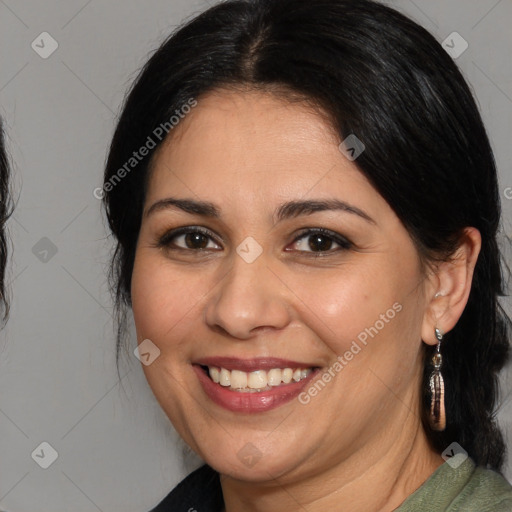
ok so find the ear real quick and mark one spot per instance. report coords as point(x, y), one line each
point(449, 285)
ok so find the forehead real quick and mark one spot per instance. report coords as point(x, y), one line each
point(258, 120)
point(253, 143)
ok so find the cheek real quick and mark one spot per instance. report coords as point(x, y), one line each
point(343, 303)
point(162, 298)
point(370, 315)
point(166, 300)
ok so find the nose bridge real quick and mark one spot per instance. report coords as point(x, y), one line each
point(248, 297)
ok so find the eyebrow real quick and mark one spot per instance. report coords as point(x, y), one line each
point(192, 206)
point(288, 210)
point(294, 209)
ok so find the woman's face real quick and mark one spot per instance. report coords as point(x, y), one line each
point(263, 251)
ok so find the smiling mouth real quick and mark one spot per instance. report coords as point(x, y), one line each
point(256, 381)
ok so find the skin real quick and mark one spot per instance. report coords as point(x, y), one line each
point(359, 441)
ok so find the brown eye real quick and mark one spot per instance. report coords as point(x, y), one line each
point(320, 240)
point(319, 243)
point(194, 239)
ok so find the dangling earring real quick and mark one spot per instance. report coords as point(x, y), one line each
point(437, 410)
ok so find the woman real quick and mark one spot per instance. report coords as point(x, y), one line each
point(305, 205)
point(5, 211)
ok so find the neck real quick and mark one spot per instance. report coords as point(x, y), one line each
point(362, 483)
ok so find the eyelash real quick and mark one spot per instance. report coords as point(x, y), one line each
point(166, 241)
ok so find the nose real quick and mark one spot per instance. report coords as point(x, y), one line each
point(250, 298)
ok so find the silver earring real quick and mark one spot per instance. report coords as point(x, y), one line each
point(437, 410)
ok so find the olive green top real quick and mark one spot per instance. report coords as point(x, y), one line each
point(461, 488)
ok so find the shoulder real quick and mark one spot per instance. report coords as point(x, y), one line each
point(485, 491)
point(460, 486)
point(199, 491)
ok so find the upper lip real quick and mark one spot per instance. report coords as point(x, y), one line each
point(250, 365)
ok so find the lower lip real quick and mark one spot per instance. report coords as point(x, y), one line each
point(262, 401)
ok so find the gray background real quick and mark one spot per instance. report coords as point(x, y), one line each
point(116, 449)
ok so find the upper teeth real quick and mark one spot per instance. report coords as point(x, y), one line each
point(258, 379)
